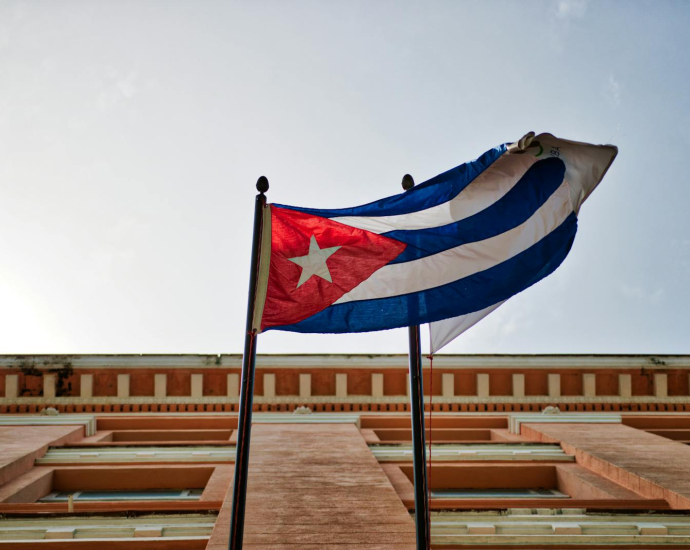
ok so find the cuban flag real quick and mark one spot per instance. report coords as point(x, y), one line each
point(446, 252)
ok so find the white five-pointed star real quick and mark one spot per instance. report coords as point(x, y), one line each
point(314, 263)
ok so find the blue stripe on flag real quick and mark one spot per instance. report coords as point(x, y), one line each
point(432, 192)
point(514, 208)
point(460, 297)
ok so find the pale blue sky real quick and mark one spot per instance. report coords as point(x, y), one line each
point(132, 133)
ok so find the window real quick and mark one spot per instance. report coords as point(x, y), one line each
point(146, 494)
point(498, 493)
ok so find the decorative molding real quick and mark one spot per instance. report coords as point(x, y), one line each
point(317, 418)
point(561, 418)
point(559, 528)
point(96, 455)
point(88, 421)
point(308, 361)
point(350, 399)
point(475, 452)
point(177, 527)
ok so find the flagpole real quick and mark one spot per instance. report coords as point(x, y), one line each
point(244, 422)
point(421, 494)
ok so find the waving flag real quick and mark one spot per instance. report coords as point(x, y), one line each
point(454, 247)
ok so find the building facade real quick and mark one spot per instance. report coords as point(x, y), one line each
point(564, 451)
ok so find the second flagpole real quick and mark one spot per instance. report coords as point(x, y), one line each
point(421, 493)
point(244, 421)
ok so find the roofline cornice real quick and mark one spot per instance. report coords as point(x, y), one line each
point(348, 361)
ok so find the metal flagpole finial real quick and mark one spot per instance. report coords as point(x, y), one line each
point(262, 184)
point(407, 182)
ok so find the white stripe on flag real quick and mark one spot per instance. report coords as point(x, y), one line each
point(585, 166)
point(444, 332)
point(492, 184)
point(465, 260)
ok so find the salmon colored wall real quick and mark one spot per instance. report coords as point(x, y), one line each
point(437, 385)
point(258, 383)
point(500, 383)
point(678, 383)
point(359, 382)
point(581, 483)
point(105, 383)
point(30, 386)
point(71, 385)
point(218, 485)
point(496, 476)
point(323, 383)
point(131, 477)
point(166, 423)
point(639, 461)
point(21, 445)
point(658, 422)
point(395, 383)
point(29, 487)
point(287, 382)
point(465, 383)
point(607, 383)
point(215, 479)
point(179, 383)
point(216, 383)
point(644, 384)
point(141, 384)
point(171, 435)
point(536, 383)
point(571, 383)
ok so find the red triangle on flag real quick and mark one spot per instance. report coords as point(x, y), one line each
point(307, 251)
